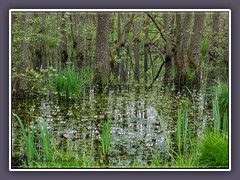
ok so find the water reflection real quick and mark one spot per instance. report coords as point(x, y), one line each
point(135, 128)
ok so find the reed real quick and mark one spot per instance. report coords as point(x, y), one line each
point(106, 137)
point(213, 150)
point(30, 149)
point(44, 139)
point(182, 128)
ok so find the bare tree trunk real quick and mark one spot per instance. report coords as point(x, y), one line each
point(89, 40)
point(54, 34)
point(26, 54)
point(101, 75)
point(212, 53)
point(136, 48)
point(63, 46)
point(195, 47)
point(123, 62)
point(44, 43)
point(169, 54)
point(179, 56)
point(146, 49)
point(186, 25)
point(77, 21)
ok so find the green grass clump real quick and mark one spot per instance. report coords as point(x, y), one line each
point(30, 149)
point(31, 136)
point(106, 137)
point(44, 139)
point(214, 151)
point(68, 82)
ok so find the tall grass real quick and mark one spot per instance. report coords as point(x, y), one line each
point(68, 82)
point(30, 136)
point(44, 139)
point(30, 149)
point(221, 93)
point(182, 128)
point(216, 117)
point(213, 146)
point(214, 151)
point(106, 137)
point(220, 109)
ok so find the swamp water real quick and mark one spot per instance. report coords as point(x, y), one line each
point(138, 122)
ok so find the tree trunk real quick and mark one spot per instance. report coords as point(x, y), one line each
point(212, 53)
point(186, 26)
point(78, 43)
point(89, 40)
point(102, 57)
point(169, 54)
point(63, 46)
point(146, 49)
point(123, 61)
point(179, 78)
point(136, 48)
point(195, 47)
point(26, 55)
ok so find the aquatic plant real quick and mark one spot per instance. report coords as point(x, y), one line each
point(220, 92)
point(213, 150)
point(182, 128)
point(44, 139)
point(30, 149)
point(106, 137)
point(68, 82)
point(220, 123)
point(33, 156)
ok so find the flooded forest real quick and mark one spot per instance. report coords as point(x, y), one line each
point(119, 90)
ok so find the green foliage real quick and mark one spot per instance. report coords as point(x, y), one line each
point(88, 75)
point(106, 138)
point(191, 74)
point(44, 139)
point(204, 50)
point(68, 82)
point(222, 95)
point(36, 81)
point(216, 116)
point(30, 149)
point(182, 129)
point(183, 161)
point(220, 108)
point(214, 151)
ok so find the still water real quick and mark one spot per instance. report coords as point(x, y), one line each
point(136, 131)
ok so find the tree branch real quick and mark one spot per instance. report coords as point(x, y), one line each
point(156, 26)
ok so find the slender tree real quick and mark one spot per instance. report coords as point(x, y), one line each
point(195, 47)
point(136, 48)
point(102, 57)
point(169, 54)
point(146, 49)
point(123, 60)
